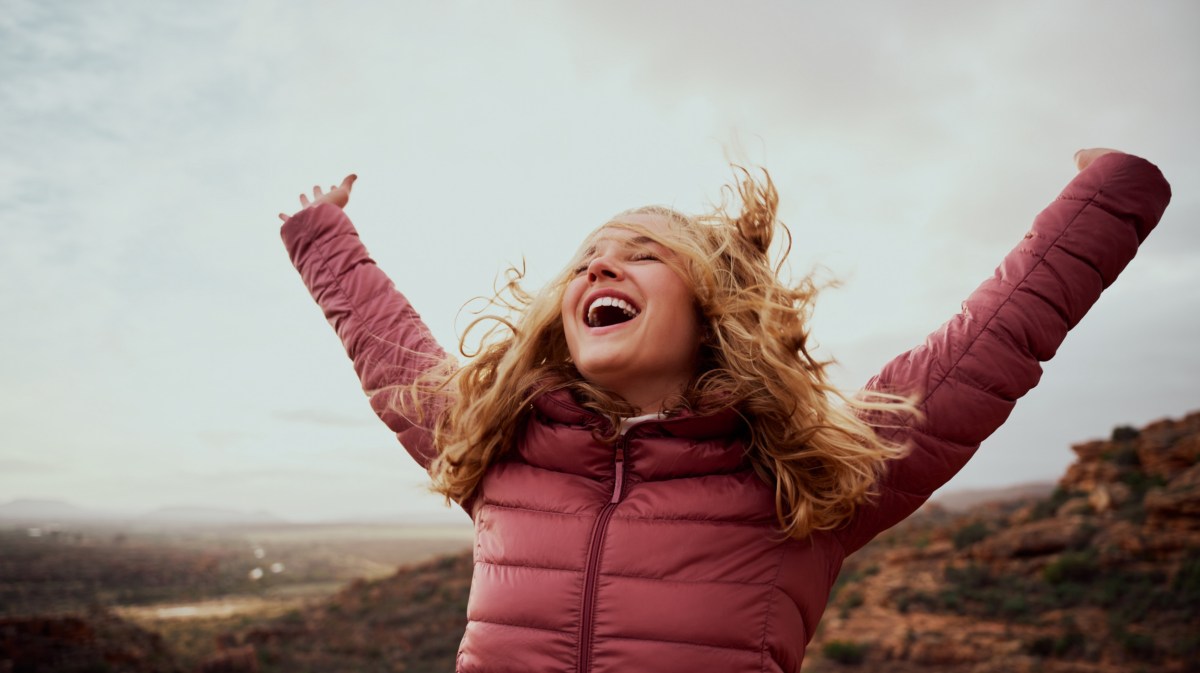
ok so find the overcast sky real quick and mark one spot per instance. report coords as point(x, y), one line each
point(158, 348)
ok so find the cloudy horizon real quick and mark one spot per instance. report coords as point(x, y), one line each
point(160, 350)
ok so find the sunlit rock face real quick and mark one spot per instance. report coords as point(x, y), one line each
point(1103, 576)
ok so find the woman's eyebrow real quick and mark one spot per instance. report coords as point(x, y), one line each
point(626, 243)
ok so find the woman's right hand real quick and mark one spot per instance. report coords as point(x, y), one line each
point(338, 196)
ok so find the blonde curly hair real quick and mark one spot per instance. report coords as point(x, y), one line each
point(806, 439)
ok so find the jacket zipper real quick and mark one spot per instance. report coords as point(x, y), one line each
point(593, 563)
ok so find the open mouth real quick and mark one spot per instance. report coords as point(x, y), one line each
point(606, 311)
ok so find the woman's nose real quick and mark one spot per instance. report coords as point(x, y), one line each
point(604, 266)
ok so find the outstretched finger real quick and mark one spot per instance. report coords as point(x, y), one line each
point(283, 216)
point(304, 199)
point(348, 181)
point(317, 193)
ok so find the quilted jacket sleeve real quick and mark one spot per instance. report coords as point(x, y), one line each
point(382, 333)
point(969, 373)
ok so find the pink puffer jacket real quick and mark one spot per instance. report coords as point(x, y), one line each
point(660, 553)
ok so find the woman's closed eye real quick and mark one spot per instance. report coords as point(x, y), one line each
point(636, 256)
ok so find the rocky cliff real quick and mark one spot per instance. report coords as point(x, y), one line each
point(1102, 576)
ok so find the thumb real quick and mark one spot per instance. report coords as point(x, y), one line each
point(1085, 157)
point(348, 182)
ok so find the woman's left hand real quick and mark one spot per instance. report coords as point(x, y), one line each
point(1084, 158)
point(338, 196)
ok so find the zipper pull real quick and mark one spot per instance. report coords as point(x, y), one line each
point(619, 470)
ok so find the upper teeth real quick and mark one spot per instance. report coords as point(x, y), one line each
point(610, 301)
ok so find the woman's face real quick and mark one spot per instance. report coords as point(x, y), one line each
point(630, 320)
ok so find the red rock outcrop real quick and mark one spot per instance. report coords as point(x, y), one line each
point(1103, 576)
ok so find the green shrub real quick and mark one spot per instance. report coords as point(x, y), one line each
point(845, 651)
point(1137, 645)
point(909, 599)
point(969, 576)
point(1070, 643)
point(1069, 594)
point(1187, 647)
point(1126, 456)
point(1046, 508)
point(1072, 567)
point(1041, 647)
point(1186, 584)
point(970, 534)
point(1015, 606)
point(1139, 482)
point(951, 599)
point(853, 599)
point(1124, 433)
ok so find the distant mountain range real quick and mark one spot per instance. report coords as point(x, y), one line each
point(38, 510)
point(962, 500)
point(45, 512)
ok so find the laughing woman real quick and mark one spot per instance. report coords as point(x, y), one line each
point(661, 477)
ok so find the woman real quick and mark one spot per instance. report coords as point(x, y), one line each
point(657, 476)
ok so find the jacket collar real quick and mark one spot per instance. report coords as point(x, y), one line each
point(560, 406)
point(564, 436)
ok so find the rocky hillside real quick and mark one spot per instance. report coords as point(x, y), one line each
point(408, 623)
point(1103, 576)
point(95, 641)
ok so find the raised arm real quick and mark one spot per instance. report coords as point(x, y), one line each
point(382, 333)
point(969, 374)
